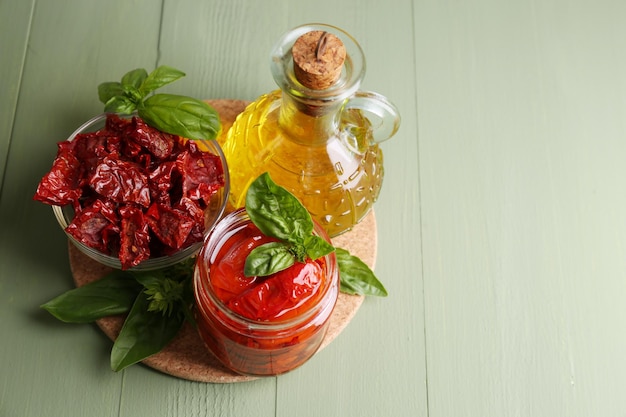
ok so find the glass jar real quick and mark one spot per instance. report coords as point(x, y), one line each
point(269, 340)
point(318, 135)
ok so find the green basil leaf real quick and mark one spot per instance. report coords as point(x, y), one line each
point(108, 90)
point(120, 104)
point(113, 294)
point(180, 115)
point(161, 76)
point(143, 334)
point(277, 212)
point(316, 247)
point(268, 259)
point(356, 277)
point(149, 278)
point(134, 78)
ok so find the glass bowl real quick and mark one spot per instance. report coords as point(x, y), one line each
point(212, 213)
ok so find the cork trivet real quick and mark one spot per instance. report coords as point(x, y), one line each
point(186, 357)
point(318, 58)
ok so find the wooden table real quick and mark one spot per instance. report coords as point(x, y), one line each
point(501, 224)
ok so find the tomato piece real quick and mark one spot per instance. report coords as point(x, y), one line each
point(202, 173)
point(89, 226)
point(161, 182)
point(121, 181)
point(61, 185)
point(134, 237)
point(158, 143)
point(280, 294)
point(171, 226)
point(227, 275)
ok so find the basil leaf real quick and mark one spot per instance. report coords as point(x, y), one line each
point(134, 78)
point(113, 294)
point(108, 90)
point(132, 93)
point(143, 334)
point(120, 104)
point(277, 212)
point(356, 277)
point(161, 76)
point(268, 259)
point(316, 247)
point(180, 115)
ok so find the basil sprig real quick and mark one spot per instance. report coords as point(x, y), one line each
point(179, 115)
point(156, 303)
point(279, 214)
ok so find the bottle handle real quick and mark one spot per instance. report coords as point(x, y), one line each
point(382, 115)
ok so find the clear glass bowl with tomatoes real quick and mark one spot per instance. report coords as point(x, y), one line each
point(260, 326)
point(132, 197)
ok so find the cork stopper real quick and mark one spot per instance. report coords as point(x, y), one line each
point(318, 58)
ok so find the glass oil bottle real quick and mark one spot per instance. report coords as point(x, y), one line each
point(317, 135)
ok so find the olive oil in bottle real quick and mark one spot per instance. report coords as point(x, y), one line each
point(315, 135)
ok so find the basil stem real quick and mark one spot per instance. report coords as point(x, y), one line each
point(111, 295)
point(165, 292)
point(143, 334)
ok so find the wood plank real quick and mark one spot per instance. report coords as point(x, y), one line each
point(15, 18)
point(199, 38)
point(521, 154)
point(58, 369)
point(376, 366)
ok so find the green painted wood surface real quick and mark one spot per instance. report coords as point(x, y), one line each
point(501, 220)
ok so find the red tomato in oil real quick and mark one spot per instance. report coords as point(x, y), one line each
point(270, 298)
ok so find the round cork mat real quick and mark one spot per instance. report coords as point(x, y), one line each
point(186, 356)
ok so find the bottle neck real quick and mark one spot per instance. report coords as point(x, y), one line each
point(308, 120)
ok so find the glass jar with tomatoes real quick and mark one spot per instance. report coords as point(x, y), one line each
point(260, 326)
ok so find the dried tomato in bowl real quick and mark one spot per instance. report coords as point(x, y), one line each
point(134, 193)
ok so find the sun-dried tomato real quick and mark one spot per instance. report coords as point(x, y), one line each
point(267, 298)
point(93, 226)
point(121, 181)
point(202, 173)
point(192, 208)
point(159, 144)
point(161, 181)
point(170, 225)
point(134, 237)
point(136, 192)
point(116, 124)
point(280, 293)
point(61, 185)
